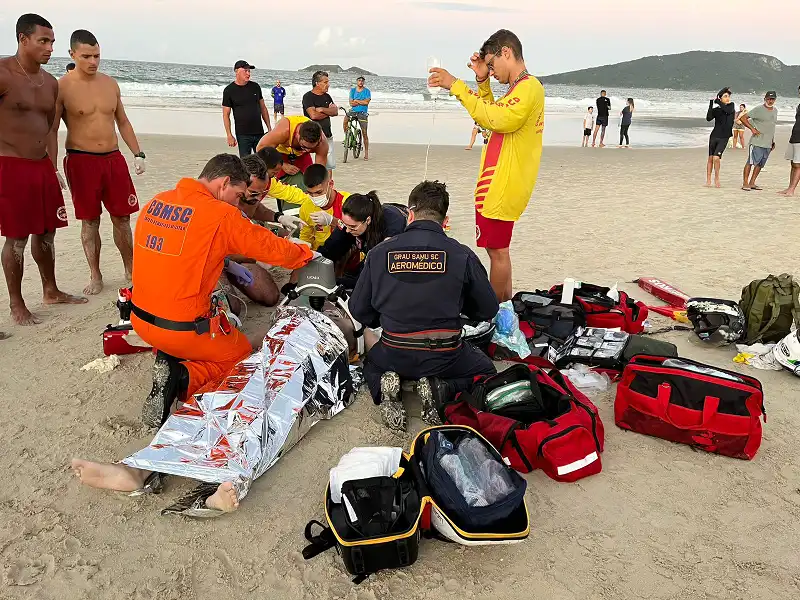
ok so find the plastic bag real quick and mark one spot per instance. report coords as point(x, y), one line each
point(586, 379)
point(477, 475)
point(507, 332)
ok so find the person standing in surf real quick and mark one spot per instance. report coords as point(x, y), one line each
point(625, 124)
point(510, 162)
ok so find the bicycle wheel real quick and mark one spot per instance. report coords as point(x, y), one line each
point(347, 139)
point(357, 144)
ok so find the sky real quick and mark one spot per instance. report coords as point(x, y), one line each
point(395, 37)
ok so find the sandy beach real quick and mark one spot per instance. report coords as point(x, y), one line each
point(661, 521)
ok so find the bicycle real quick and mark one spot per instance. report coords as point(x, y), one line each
point(352, 137)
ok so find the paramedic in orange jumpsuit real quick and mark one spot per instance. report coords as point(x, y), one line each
point(181, 242)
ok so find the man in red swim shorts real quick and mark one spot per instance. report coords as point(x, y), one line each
point(31, 203)
point(90, 103)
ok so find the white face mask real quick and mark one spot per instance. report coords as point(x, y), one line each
point(320, 201)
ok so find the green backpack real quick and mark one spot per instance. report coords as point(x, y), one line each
point(770, 306)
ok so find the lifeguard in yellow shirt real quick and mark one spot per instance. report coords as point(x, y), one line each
point(510, 162)
point(321, 210)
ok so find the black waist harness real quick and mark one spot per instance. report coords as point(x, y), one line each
point(423, 340)
point(200, 326)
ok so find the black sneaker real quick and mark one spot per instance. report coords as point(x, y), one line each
point(432, 392)
point(392, 410)
point(169, 377)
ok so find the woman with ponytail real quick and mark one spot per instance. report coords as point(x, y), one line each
point(365, 224)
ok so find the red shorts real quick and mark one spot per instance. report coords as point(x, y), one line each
point(31, 202)
point(492, 233)
point(302, 162)
point(97, 180)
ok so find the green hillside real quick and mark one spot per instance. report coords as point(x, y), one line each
point(741, 71)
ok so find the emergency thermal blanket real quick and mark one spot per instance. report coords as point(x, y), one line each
point(263, 407)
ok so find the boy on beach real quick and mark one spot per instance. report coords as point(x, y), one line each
point(510, 162)
point(588, 125)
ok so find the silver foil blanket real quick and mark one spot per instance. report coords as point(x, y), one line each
point(262, 408)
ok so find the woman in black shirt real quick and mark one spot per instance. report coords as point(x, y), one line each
point(365, 224)
point(723, 116)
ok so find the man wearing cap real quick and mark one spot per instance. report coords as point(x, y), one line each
point(761, 121)
point(245, 99)
point(360, 97)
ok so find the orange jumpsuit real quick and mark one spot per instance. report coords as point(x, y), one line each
point(182, 238)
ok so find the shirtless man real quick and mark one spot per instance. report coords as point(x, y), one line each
point(31, 204)
point(90, 104)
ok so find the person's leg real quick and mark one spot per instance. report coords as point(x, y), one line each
point(747, 168)
point(594, 138)
point(263, 290)
point(364, 132)
point(627, 136)
point(717, 165)
point(345, 123)
point(752, 185)
point(90, 240)
point(795, 179)
point(709, 169)
point(43, 250)
point(123, 239)
point(472, 139)
point(602, 136)
point(500, 273)
point(13, 258)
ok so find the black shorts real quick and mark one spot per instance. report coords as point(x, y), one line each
point(278, 108)
point(603, 121)
point(587, 132)
point(716, 146)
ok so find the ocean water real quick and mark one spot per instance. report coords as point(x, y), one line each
point(662, 118)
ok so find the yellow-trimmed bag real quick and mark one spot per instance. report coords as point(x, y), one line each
point(423, 513)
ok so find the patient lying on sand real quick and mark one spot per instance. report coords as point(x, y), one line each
point(205, 500)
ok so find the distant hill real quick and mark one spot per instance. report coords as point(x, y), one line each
point(741, 71)
point(338, 69)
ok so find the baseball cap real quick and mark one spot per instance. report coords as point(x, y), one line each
point(242, 64)
point(771, 96)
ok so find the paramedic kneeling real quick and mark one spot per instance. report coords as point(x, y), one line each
point(181, 243)
point(417, 285)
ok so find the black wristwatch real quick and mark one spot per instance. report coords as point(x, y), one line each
point(278, 215)
point(139, 155)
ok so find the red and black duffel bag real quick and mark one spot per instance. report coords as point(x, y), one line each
point(691, 403)
point(553, 427)
point(602, 311)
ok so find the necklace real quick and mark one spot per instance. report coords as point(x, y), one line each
point(28, 76)
point(520, 77)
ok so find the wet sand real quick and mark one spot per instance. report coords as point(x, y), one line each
point(661, 520)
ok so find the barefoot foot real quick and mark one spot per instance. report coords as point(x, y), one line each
point(63, 298)
point(95, 286)
point(224, 498)
point(108, 477)
point(22, 316)
point(717, 184)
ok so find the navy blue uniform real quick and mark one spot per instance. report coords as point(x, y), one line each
point(418, 282)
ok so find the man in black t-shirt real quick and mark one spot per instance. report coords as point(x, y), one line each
point(245, 99)
point(603, 109)
point(319, 106)
point(793, 155)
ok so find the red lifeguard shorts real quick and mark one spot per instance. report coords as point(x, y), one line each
point(97, 180)
point(31, 202)
point(492, 234)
